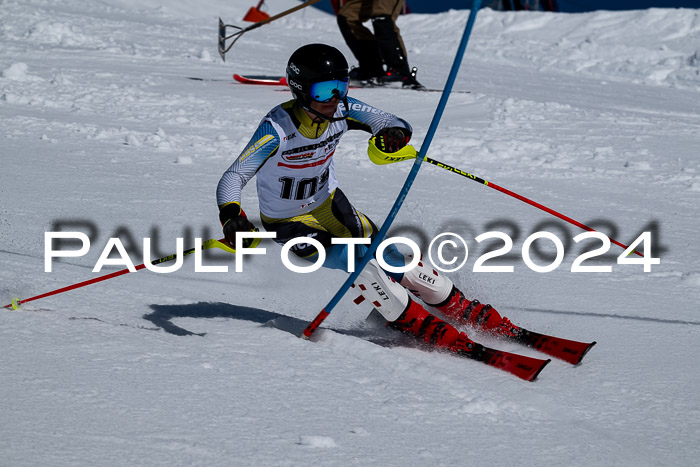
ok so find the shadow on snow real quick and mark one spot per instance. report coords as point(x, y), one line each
point(372, 330)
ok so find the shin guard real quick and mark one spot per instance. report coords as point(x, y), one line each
point(389, 298)
point(427, 284)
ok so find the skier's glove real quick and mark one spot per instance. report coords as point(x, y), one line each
point(234, 220)
point(392, 139)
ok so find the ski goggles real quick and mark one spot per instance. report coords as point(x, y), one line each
point(327, 90)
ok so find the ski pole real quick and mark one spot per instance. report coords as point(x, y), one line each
point(409, 152)
point(16, 302)
point(323, 314)
point(544, 208)
point(223, 50)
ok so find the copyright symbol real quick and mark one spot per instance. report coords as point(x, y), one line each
point(444, 264)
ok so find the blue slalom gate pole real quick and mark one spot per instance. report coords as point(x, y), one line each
point(409, 180)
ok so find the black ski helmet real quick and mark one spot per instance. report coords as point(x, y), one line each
point(314, 63)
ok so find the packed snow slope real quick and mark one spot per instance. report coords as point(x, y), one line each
point(595, 115)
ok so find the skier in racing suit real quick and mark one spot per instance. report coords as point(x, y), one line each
point(291, 153)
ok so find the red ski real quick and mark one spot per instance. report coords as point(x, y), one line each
point(266, 80)
point(527, 368)
point(563, 349)
point(261, 80)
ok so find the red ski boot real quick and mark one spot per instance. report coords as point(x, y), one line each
point(431, 329)
point(417, 321)
point(476, 314)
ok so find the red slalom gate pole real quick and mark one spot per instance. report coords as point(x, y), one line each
point(521, 198)
point(205, 245)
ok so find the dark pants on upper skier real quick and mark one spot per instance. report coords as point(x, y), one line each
point(385, 46)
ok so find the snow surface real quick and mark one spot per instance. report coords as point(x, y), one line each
point(596, 115)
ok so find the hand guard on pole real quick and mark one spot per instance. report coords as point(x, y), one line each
point(233, 220)
point(380, 157)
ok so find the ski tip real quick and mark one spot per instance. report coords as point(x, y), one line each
point(537, 373)
point(585, 351)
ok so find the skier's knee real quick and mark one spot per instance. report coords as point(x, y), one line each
point(394, 258)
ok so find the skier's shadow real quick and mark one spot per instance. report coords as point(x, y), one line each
point(372, 330)
point(163, 315)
